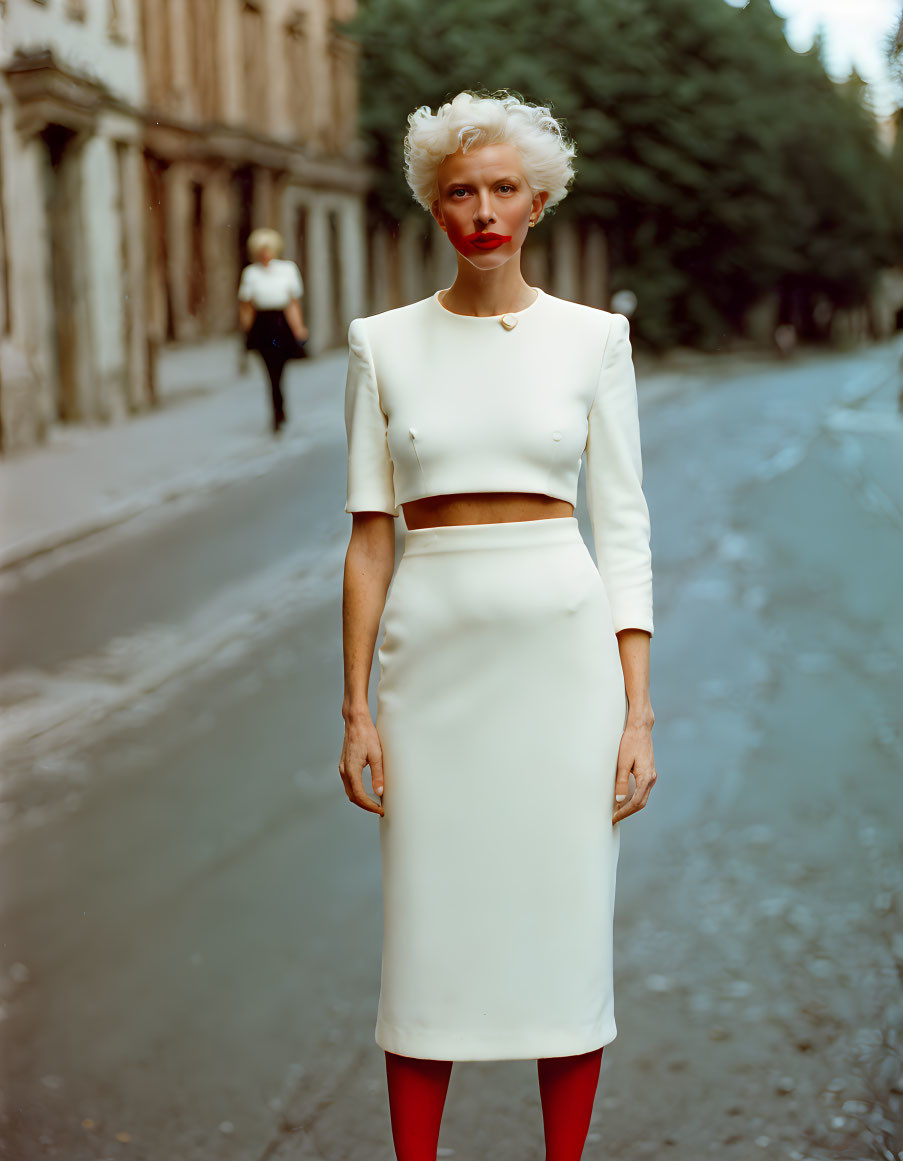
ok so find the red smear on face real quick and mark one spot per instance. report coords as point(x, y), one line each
point(488, 235)
point(486, 240)
point(479, 240)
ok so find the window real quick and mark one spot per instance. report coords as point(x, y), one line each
point(197, 273)
point(336, 269)
point(301, 223)
point(115, 30)
point(342, 91)
point(254, 66)
point(298, 80)
point(6, 324)
point(202, 45)
point(156, 32)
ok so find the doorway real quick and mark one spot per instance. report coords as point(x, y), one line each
point(62, 191)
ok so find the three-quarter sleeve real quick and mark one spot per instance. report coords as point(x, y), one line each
point(616, 504)
point(246, 285)
point(371, 485)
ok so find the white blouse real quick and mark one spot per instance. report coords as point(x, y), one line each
point(438, 402)
point(270, 287)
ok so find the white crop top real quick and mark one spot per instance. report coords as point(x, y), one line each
point(270, 287)
point(438, 403)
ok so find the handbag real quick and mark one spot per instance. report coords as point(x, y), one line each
point(297, 350)
point(270, 333)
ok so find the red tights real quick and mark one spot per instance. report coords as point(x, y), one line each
point(417, 1091)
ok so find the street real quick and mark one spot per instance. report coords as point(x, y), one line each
point(191, 907)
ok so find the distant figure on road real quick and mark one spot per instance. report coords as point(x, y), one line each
point(269, 304)
point(785, 339)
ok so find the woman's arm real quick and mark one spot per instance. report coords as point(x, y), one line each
point(621, 531)
point(634, 647)
point(246, 314)
point(617, 507)
point(293, 312)
point(295, 320)
point(369, 562)
point(246, 309)
point(635, 751)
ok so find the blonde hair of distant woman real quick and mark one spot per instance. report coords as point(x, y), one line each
point(265, 238)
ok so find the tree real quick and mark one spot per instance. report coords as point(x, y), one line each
point(721, 163)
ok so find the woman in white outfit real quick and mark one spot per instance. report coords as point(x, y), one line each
point(513, 697)
point(269, 305)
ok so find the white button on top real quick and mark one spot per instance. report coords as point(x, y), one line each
point(509, 321)
point(412, 430)
point(556, 435)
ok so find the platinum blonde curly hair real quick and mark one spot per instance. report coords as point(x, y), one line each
point(472, 119)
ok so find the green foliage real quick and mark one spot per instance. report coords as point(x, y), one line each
point(721, 163)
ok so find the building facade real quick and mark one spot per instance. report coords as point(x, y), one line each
point(140, 142)
point(251, 120)
point(71, 222)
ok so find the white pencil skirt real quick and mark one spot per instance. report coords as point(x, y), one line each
point(501, 705)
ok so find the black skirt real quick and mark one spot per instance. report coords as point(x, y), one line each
point(272, 336)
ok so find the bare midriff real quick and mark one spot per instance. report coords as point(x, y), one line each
point(483, 508)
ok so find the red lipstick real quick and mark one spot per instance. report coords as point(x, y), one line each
point(486, 240)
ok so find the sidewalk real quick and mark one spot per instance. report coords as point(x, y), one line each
point(212, 426)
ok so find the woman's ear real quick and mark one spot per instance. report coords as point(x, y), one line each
point(539, 201)
point(437, 213)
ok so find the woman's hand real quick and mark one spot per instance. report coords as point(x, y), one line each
point(301, 333)
point(361, 748)
point(634, 755)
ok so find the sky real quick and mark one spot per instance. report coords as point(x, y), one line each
point(855, 31)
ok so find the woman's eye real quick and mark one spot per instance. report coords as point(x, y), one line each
point(506, 187)
point(457, 191)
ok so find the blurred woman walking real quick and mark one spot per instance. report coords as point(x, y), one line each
point(269, 303)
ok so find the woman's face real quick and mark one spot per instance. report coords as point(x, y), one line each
point(485, 204)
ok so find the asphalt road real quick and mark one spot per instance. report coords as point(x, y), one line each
point(190, 907)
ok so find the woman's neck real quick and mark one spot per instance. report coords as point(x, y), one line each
point(488, 292)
